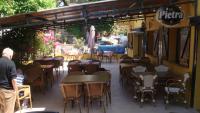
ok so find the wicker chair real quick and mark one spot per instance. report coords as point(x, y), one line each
point(34, 77)
point(125, 57)
point(176, 90)
point(139, 69)
point(161, 68)
point(107, 85)
point(74, 62)
point(24, 92)
point(147, 87)
point(71, 92)
point(122, 70)
point(145, 60)
point(74, 65)
point(91, 68)
point(74, 68)
point(134, 81)
point(96, 62)
point(95, 91)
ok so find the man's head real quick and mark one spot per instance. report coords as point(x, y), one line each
point(7, 52)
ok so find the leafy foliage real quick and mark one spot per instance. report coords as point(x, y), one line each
point(21, 40)
point(40, 47)
point(25, 42)
point(12, 7)
point(100, 25)
point(76, 29)
point(79, 43)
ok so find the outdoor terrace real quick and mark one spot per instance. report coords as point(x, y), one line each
point(122, 101)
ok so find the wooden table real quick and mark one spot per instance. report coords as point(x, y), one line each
point(85, 78)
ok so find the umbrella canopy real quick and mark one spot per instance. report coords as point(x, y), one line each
point(91, 37)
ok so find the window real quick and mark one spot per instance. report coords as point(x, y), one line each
point(184, 46)
point(174, 44)
point(179, 45)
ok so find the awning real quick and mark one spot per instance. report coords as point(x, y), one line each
point(60, 17)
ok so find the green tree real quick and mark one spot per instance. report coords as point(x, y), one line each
point(102, 26)
point(76, 29)
point(12, 7)
point(23, 40)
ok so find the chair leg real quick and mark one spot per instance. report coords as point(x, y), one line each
point(20, 108)
point(65, 106)
point(166, 101)
point(104, 108)
point(88, 104)
point(106, 99)
point(72, 103)
point(84, 100)
point(63, 69)
point(153, 99)
point(185, 100)
point(57, 73)
point(100, 103)
point(142, 99)
point(30, 100)
point(110, 58)
point(109, 94)
point(79, 106)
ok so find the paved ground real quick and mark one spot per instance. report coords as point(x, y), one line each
point(122, 102)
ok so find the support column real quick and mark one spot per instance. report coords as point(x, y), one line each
point(197, 80)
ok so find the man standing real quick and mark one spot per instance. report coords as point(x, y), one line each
point(7, 79)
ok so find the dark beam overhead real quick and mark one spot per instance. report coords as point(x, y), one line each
point(87, 11)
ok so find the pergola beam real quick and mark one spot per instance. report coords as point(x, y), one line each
point(66, 15)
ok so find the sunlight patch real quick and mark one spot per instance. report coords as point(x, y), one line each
point(29, 110)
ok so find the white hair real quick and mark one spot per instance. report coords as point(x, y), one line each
point(7, 52)
point(92, 28)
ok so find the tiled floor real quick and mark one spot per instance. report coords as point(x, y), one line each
point(121, 101)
